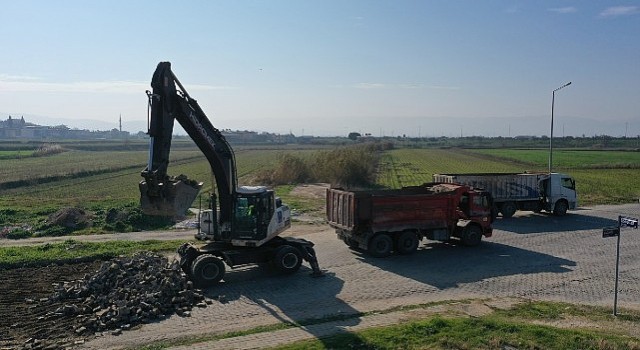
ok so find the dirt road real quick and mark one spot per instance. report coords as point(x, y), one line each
point(533, 256)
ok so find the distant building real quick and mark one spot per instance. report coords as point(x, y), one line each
point(13, 128)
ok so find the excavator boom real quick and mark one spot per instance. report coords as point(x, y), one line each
point(161, 194)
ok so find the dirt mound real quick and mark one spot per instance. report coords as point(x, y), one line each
point(71, 218)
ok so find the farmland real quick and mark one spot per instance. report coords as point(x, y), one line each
point(98, 177)
point(602, 177)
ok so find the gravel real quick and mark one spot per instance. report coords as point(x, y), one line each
point(125, 292)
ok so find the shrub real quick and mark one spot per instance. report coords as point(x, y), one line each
point(19, 233)
point(290, 169)
point(347, 166)
point(48, 149)
point(344, 166)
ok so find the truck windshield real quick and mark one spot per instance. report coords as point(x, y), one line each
point(481, 201)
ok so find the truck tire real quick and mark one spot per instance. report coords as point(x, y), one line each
point(380, 246)
point(287, 259)
point(207, 270)
point(407, 242)
point(508, 209)
point(560, 209)
point(472, 236)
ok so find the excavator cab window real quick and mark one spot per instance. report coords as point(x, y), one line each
point(252, 215)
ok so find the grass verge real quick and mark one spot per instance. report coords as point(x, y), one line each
point(71, 251)
point(520, 327)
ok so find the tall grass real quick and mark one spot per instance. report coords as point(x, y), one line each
point(348, 166)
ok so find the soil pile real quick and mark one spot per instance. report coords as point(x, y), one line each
point(71, 218)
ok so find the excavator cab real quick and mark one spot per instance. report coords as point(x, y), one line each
point(252, 213)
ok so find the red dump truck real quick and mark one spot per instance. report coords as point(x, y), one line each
point(385, 221)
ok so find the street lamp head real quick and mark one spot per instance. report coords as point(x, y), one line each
point(563, 86)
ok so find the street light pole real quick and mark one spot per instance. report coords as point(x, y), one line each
point(553, 98)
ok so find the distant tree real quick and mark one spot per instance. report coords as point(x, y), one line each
point(354, 135)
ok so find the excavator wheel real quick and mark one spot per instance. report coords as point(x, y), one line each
point(207, 270)
point(287, 259)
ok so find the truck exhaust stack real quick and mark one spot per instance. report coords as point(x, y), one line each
point(171, 197)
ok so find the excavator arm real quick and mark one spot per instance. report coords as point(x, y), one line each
point(161, 194)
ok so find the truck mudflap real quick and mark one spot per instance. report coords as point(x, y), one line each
point(171, 197)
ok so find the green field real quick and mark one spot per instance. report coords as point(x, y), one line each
point(98, 177)
point(602, 177)
point(569, 159)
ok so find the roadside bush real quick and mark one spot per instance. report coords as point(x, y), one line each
point(344, 166)
point(18, 233)
point(130, 218)
point(347, 166)
point(48, 149)
point(290, 169)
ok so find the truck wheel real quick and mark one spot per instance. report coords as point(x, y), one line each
point(407, 242)
point(287, 259)
point(560, 209)
point(508, 209)
point(380, 246)
point(351, 244)
point(207, 270)
point(471, 236)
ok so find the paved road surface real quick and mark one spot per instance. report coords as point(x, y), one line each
point(534, 256)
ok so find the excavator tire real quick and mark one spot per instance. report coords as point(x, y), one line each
point(207, 270)
point(287, 259)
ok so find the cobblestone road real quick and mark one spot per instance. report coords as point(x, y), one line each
point(534, 256)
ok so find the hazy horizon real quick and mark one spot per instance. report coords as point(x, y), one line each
point(426, 127)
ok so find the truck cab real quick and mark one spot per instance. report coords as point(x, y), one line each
point(476, 204)
point(558, 193)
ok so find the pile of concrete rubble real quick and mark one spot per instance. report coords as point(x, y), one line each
point(125, 292)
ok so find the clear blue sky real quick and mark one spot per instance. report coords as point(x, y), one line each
point(329, 67)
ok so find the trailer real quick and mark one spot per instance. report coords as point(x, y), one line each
point(384, 221)
point(552, 192)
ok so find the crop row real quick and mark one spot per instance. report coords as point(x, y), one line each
point(568, 159)
point(119, 185)
point(406, 167)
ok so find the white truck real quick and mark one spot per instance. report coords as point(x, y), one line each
point(552, 192)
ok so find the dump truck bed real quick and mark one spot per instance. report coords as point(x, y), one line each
point(392, 210)
point(502, 186)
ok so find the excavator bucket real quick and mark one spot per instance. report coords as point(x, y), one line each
point(173, 197)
